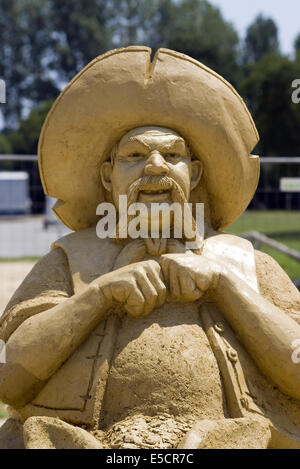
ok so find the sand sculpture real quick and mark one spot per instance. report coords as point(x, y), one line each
point(145, 343)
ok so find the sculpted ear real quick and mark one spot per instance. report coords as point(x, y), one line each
point(105, 171)
point(197, 170)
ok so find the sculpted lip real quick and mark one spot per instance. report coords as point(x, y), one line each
point(162, 191)
point(160, 194)
point(152, 187)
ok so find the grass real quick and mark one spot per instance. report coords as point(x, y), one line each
point(284, 226)
point(268, 222)
point(19, 259)
point(3, 411)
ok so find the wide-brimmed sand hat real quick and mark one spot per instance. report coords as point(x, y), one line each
point(122, 90)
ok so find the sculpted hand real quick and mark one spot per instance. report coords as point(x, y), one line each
point(138, 287)
point(189, 277)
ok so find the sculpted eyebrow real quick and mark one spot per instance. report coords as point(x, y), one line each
point(134, 145)
point(176, 145)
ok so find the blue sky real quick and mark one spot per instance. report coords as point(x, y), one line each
point(286, 13)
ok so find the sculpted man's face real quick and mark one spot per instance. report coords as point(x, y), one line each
point(150, 154)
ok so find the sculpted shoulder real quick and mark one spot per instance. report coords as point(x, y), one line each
point(88, 256)
point(276, 286)
point(47, 284)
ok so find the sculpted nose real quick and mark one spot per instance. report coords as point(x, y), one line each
point(156, 165)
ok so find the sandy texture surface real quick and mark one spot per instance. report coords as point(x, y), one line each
point(11, 275)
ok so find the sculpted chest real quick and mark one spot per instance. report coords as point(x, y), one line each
point(161, 364)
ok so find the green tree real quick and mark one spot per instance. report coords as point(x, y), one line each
point(261, 39)
point(131, 21)
point(162, 22)
point(44, 43)
point(198, 29)
point(5, 145)
point(268, 93)
point(5, 149)
point(79, 32)
point(25, 139)
point(297, 43)
point(24, 56)
point(297, 48)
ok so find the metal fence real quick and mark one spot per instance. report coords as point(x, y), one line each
point(25, 232)
point(269, 195)
point(37, 223)
point(28, 164)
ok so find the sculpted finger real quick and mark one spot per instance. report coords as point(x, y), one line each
point(134, 310)
point(174, 284)
point(119, 291)
point(164, 263)
point(203, 281)
point(135, 302)
point(189, 290)
point(159, 286)
point(149, 292)
point(152, 265)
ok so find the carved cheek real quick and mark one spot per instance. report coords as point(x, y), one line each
point(123, 176)
point(183, 178)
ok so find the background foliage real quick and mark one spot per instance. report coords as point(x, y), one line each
point(44, 43)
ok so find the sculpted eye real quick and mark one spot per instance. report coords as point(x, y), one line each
point(135, 155)
point(172, 156)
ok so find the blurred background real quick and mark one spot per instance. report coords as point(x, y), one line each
point(44, 43)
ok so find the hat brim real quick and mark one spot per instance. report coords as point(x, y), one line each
point(122, 90)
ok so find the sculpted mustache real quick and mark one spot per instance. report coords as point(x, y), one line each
point(155, 183)
point(147, 182)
